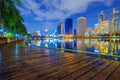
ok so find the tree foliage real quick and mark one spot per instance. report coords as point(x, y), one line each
point(10, 18)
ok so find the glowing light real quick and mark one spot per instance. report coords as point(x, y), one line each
point(1, 30)
point(97, 51)
point(66, 35)
point(87, 41)
point(5, 32)
point(55, 45)
point(71, 35)
point(46, 45)
point(46, 30)
point(25, 36)
point(116, 59)
point(16, 35)
point(70, 40)
point(9, 33)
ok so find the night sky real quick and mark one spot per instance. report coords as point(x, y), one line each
point(41, 14)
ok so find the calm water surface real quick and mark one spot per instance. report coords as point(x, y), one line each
point(93, 48)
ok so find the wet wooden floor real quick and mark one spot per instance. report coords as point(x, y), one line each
point(46, 64)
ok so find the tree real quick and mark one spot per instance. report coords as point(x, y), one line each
point(10, 18)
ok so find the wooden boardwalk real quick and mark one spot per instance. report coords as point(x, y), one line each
point(46, 64)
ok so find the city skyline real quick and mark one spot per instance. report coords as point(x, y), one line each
point(48, 11)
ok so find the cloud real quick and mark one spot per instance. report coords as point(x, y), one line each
point(56, 9)
point(109, 2)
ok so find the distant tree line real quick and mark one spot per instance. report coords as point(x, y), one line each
point(10, 18)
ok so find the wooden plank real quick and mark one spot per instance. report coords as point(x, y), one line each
point(32, 55)
point(107, 71)
point(83, 71)
point(91, 74)
point(40, 60)
point(64, 71)
point(115, 75)
point(16, 65)
point(43, 66)
point(44, 72)
point(6, 64)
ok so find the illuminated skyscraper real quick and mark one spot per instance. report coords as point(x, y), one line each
point(81, 26)
point(114, 21)
point(60, 29)
point(74, 32)
point(69, 26)
point(101, 16)
point(103, 24)
point(97, 29)
point(104, 27)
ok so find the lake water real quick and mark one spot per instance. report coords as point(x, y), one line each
point(95, 48)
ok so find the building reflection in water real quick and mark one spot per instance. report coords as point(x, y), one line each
point(89, 44)
point(81, 45)
point(46, 45)
point(101, 47)
point(37, 42)
point(68, 45)
point(60, 45)
point(104, 47)
point(74, 44)
point(114, 48)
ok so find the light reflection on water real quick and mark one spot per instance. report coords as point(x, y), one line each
point(93, 46)
point(0, 57)
point(16, 53)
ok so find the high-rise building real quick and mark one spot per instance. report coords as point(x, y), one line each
point(104, 27)
point(60, 29)
point(81, 26)
point(97, 29)
point(75, 32)
point(103, 24)
point(69, 26)
point(101, 16)
point(114, 21)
